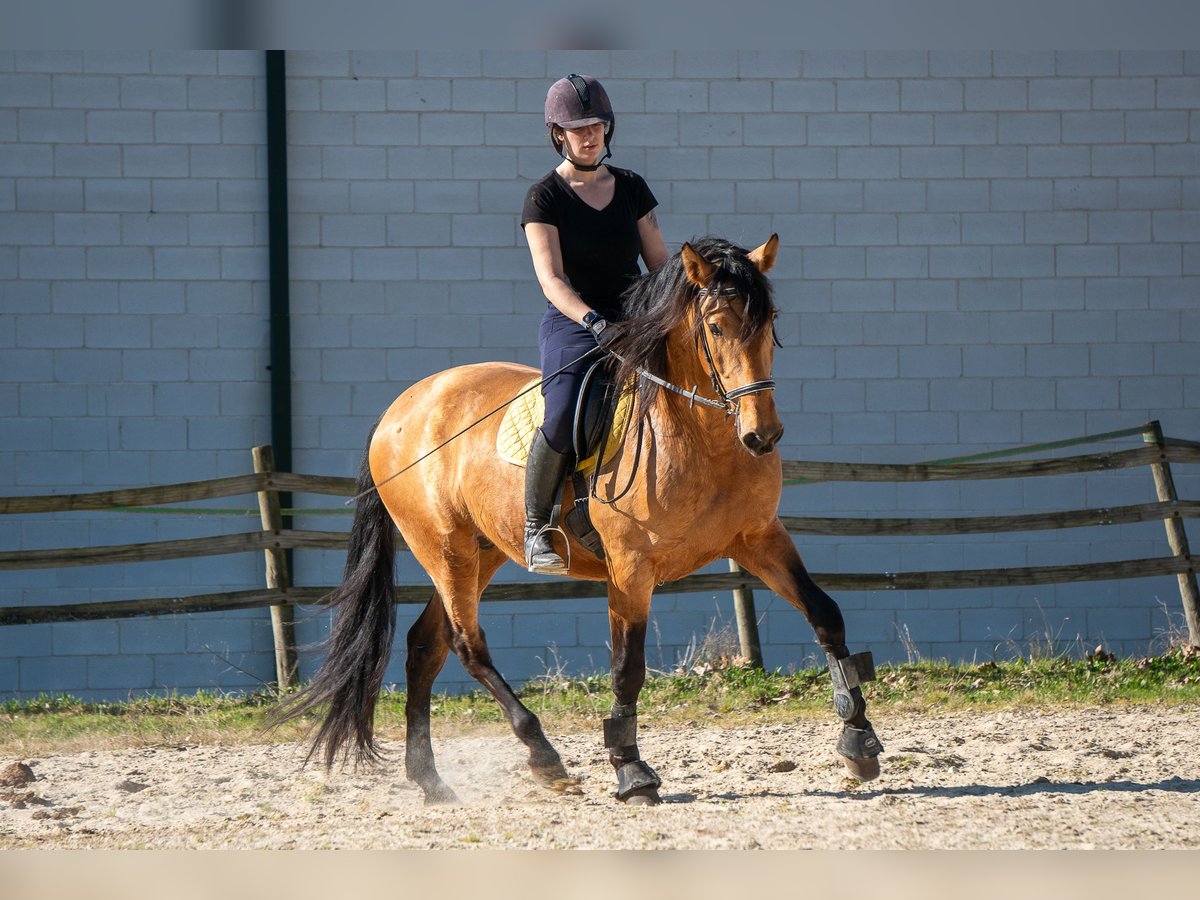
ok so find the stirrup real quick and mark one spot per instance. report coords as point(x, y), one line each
point(560, 567)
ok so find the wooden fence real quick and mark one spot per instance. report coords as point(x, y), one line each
point(280, 595)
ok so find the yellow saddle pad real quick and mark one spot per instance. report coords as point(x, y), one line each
point(525, 414)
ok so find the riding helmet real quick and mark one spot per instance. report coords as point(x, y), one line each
point(575, 101)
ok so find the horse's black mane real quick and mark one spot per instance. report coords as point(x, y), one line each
point(658, 302)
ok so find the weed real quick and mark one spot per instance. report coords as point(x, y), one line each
point(902, 763)
point(1048, 643)
point(1173, 635)
point(910, 646)
point(720, 648)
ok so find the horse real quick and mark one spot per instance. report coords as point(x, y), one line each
point(698, 479)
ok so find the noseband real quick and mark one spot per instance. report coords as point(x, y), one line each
point(726, 397)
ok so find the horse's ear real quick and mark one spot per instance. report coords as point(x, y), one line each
point(764, 256)
point(699, 270)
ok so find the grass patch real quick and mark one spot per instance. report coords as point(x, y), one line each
point(722, 692)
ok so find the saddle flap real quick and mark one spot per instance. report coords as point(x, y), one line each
point(524, 416)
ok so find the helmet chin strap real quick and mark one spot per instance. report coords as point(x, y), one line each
point(580, 166)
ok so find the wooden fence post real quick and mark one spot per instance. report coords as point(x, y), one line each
point(747, 621)
point(279, 577)
point(1164, 484)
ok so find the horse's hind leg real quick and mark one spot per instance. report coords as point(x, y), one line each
point(428, 647)
point(462, 581)
point(773, 558)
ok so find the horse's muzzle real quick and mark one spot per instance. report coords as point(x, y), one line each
point(760, 443)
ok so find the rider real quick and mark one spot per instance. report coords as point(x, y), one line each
point(586, 224)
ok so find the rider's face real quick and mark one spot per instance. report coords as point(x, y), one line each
point(585, 143)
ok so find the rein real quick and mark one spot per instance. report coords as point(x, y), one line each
point(460, 433)
point(693, 399)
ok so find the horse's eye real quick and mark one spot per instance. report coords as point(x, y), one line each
point(715, 329)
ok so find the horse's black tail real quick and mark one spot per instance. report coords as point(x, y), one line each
point(349, 680)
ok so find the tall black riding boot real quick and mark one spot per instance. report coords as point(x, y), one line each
point(544, 472)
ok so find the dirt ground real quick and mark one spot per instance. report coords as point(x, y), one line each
point(1111, 777)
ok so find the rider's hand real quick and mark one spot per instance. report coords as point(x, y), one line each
point(599, 328)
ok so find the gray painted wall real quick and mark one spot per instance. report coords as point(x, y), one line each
point(979, 250)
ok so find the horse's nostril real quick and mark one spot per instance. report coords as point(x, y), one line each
point(756, 444)
point(761, 444)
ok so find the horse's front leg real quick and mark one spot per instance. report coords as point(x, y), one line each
point(628, 612)
point(773, 558)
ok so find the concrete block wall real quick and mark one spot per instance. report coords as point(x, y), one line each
point(133, 249)
point(979, 250)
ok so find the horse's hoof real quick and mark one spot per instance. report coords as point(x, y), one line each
point(555, 778)
point(644, 797)
point(441, 795)
point(863, 769)
point(565, 785)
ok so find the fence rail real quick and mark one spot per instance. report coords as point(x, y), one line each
point(796, 472)
point(833, 526)
point(185, 492)
point(280, 595)
point(583, 590)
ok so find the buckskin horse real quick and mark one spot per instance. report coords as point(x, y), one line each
point(699, 479)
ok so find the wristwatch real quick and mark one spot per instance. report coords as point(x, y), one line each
point(594, 322)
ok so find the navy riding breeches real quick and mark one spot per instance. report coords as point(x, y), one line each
point(562, 341)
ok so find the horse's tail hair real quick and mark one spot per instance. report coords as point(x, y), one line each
point(348, 682)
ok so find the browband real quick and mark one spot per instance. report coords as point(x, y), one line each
point(727, 291)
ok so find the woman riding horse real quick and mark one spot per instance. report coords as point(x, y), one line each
point(697, 479)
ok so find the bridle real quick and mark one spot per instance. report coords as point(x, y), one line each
point(726, 401)
point(725, 397)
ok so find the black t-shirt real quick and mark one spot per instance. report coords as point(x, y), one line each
point(600, 247)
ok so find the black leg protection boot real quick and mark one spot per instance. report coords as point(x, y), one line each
point(858, 747)
point(633, 775)
point(544, 473)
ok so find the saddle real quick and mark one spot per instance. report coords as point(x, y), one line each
point(602, 414)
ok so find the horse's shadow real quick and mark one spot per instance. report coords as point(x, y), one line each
point(1174, 785)
point(725, 795)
